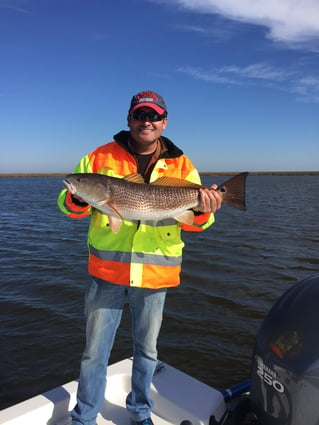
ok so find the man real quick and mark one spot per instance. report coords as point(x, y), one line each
point(138, 263)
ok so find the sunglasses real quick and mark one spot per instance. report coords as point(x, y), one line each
point(148, 116)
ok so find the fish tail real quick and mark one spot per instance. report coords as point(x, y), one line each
point(233, 191)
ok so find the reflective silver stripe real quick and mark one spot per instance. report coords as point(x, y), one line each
point(158, 260)
point(160, 223)
point(136, 257)
point(118, 256)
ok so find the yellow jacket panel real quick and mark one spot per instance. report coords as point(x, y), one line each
point(143, 253)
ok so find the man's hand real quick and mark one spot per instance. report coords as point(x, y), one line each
point(209, 200)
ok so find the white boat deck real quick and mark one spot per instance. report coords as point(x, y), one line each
point(177, 398)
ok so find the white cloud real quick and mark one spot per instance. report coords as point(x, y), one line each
point(305, 87)
point(14, 5)
point(217, 32)
point(291, 21)
point(259, 71)
point(209, 75)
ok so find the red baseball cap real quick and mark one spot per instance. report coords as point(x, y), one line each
point(150, 99)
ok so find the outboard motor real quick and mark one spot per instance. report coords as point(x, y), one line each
point(285, 368)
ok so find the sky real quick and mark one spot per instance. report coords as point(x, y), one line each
point(240, 80)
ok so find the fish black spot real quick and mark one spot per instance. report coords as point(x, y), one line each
point(168, 234)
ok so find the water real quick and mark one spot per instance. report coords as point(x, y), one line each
point(232, 275)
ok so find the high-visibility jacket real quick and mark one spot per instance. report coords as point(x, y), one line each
point(146, 253)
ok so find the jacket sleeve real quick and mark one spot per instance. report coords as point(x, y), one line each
point(69, 206)
point(201, 220)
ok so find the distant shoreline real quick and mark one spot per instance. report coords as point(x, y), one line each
point(202, 173)
point(262, 173)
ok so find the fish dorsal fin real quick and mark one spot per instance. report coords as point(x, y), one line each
point(135, 178)
point(176, 182)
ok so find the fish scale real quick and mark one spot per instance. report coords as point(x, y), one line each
point(151, 201)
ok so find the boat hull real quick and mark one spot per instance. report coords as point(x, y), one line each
point(178, 399)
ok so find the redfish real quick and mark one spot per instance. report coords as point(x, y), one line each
point(130, 198)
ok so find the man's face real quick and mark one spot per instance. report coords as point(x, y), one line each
point(146, 132)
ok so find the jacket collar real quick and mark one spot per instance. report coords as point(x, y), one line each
point(166, 148)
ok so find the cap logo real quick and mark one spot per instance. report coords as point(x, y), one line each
point(146, 97)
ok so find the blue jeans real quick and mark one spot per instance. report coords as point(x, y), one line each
point(103, 308)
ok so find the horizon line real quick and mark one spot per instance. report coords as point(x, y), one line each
point(202, 173)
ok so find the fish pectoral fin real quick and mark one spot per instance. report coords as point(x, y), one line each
point(135, 178)
point(115, 219)
point(101, 202)
point(187, 217)
point(176, 182)
point(115, 223)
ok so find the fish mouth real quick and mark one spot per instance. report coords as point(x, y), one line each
point(69, 186)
